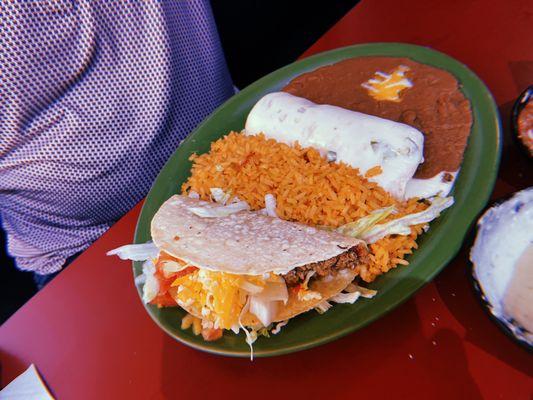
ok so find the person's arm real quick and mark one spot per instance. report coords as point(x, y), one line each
point(45, 47)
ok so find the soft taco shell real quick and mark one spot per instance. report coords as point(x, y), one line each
point(244, 243)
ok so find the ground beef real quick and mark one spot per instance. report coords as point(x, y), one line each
point(351, 258)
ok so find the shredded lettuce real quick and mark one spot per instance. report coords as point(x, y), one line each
point(278, 327)
point(370, 230)
point(250, 287)
point(142, 252)
point(263, 310)
point(270, 205)
point(306, 295)
point(331, 156)
point(220, 211)
point(276, 291)
point(251, 335)
point(323, 306)
point(358, 228)
point(220, 196)
point(135, 252)
point(151, 284)
point(401, 226)
point(349, 295)
point(352, 293)
point(365, 292)
point(308, 276)
point(140, 279)
point(263, 332)
point(346, 297)
point(264, 305)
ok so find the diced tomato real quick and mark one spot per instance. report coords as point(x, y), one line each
point(210, 334)
point(164, 283)
point(164, 300)
point(164, 297)
point(297, 288)
point(183, 272)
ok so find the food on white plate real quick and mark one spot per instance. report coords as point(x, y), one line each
point(502, 258)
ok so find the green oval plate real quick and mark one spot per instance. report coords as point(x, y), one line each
point(437, 247)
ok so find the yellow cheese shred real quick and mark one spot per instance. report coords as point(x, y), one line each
point(388, 86)
point(218, 296)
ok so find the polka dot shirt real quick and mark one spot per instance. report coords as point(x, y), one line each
point(94, 97)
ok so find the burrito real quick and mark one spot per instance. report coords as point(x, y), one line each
point(387, 152)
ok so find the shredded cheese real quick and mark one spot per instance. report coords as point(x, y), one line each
point(219, 297)
point(388, 86)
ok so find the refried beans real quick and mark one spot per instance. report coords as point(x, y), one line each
point(434, 104)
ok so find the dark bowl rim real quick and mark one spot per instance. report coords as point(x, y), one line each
point(522, 100)
point(477, 287)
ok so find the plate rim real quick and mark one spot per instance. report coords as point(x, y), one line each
point(460, 235)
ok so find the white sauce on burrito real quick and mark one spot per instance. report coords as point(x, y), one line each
point(426, 188)
point(360, 140)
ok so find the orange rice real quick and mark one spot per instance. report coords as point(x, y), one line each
point(307, 188)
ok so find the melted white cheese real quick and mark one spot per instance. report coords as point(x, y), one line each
point(360, 140)
point(426, 188)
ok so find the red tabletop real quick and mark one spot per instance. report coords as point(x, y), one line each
point(90, 337)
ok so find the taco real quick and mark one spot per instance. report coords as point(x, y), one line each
point(245, 268)
point(231, 268)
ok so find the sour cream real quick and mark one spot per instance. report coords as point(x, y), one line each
point(440, 185)
point(503, 261)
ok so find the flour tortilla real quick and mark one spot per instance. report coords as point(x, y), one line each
point(244, 243)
